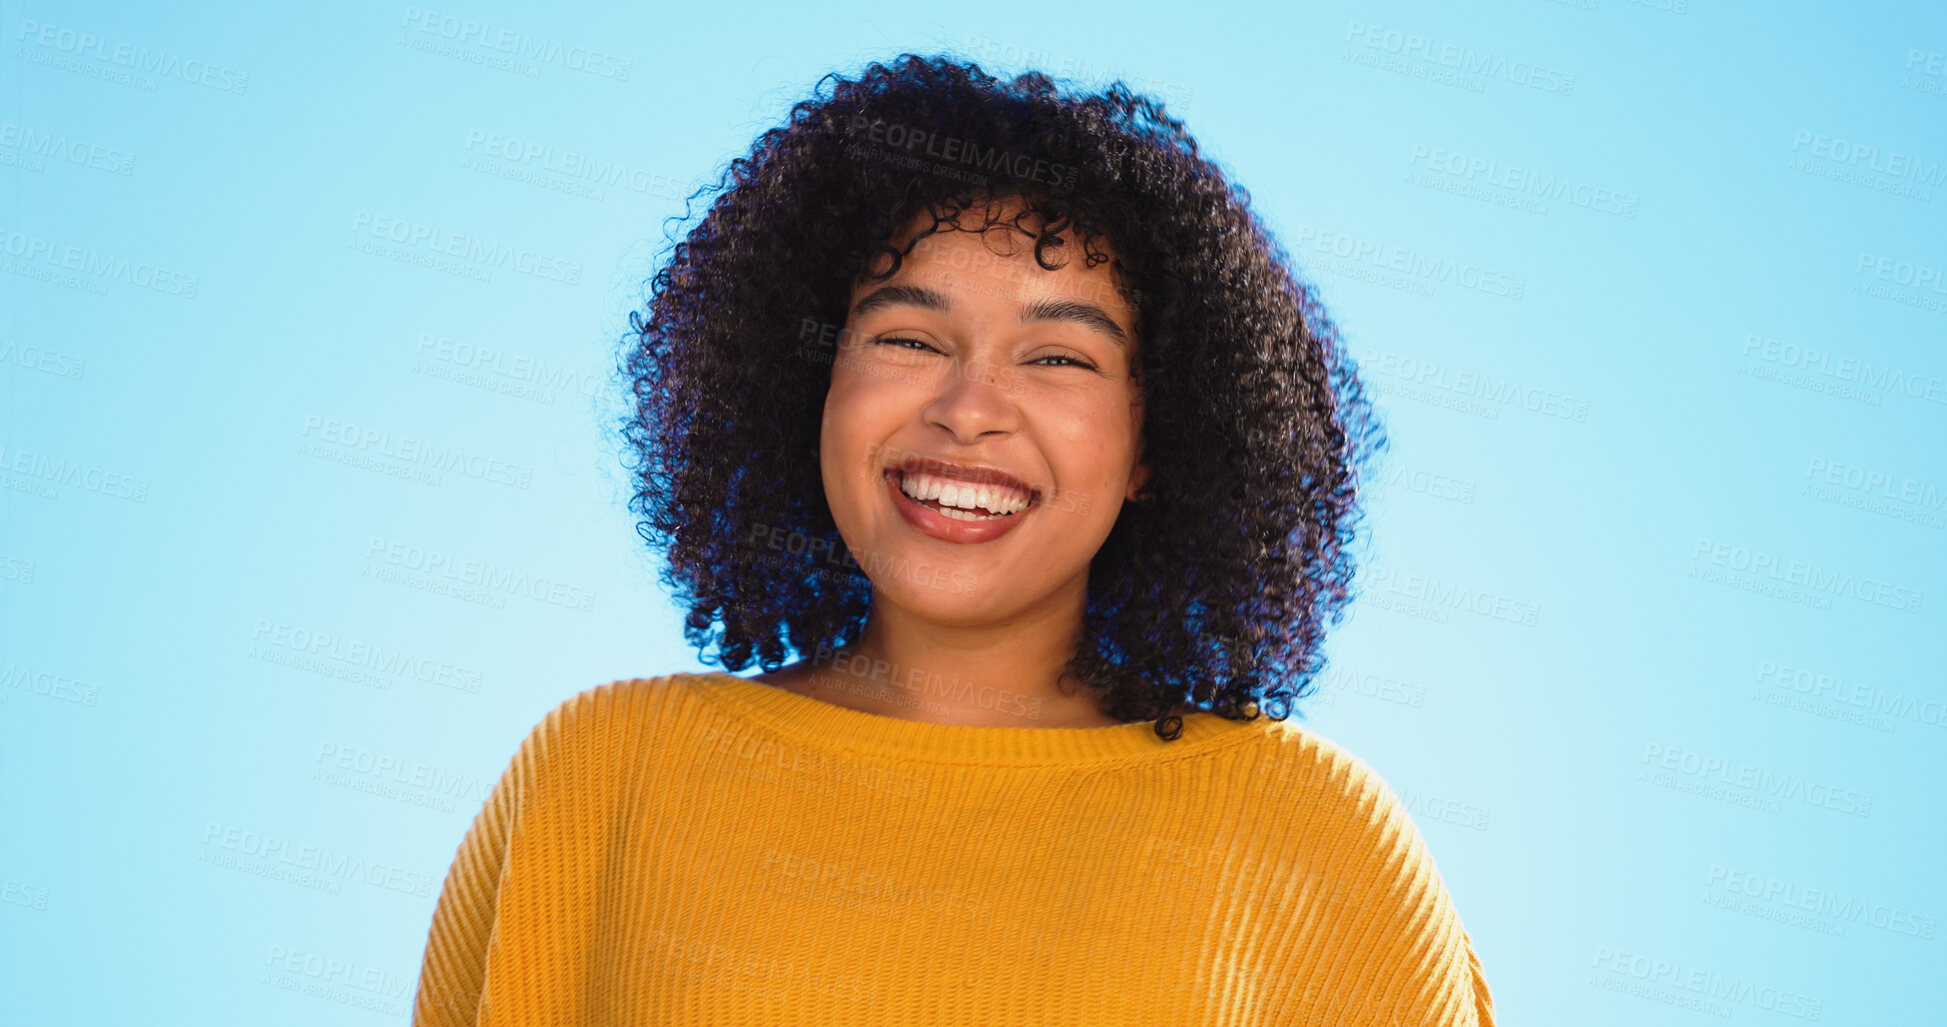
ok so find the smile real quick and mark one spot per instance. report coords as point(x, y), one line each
point(956, 503)
point(963, 499)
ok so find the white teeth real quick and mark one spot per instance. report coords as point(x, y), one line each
point(988, 499)
point(961, 515)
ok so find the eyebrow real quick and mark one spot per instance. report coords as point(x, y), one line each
point(1088, 315)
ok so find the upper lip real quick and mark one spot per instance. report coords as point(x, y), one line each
point(965, 472)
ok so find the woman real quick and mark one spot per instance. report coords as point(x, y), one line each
point(996, 405)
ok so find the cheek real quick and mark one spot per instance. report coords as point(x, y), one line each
point(849, 406)
point(862, 394)
point(855, 426)
point(839, 455)
point(1097, 440)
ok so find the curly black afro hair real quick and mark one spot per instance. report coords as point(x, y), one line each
point(1213, 591)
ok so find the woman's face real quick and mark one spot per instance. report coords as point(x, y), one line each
point(982, 429)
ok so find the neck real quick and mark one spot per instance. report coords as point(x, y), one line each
point(1008, 673)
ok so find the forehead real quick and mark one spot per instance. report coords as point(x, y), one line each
point(989, 252)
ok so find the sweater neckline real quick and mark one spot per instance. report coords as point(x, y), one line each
point(819, 722)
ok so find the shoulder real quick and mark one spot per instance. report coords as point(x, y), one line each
point(1348, 845)
point(1329, 781)
point(600, 727)
point(620, 701)
point(1344, 813)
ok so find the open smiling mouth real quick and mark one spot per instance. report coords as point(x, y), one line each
point(959, 499)
point(959, 504)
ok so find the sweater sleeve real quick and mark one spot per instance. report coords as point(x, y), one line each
point(1389, 949)
point(452, 980)
point(1426, 973)
point(1434, 976)
point(1483, 998)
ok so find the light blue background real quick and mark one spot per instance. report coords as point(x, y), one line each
point(150, 711)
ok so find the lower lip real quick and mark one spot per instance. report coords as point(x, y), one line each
point(949, 529)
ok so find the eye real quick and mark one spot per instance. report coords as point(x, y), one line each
point(1072, 361)
point(903, 342)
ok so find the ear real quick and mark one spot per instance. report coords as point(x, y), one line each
point(1137, 479)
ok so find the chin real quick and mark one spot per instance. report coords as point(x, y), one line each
point(944, 595)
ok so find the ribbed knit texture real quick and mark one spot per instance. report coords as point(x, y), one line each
point(701, 849)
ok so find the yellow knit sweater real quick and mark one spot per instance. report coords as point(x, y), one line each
point(701, 849)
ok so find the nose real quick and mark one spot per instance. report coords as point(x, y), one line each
point(977, 399)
